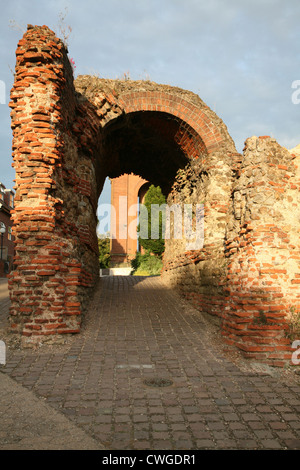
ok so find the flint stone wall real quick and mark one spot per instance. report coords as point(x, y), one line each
point(69, 136)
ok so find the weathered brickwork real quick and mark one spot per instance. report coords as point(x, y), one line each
point(124, 220)
point(51, 193)
point(68, 136)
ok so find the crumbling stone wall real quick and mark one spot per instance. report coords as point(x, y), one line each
point(69, 136)
point(54, 216)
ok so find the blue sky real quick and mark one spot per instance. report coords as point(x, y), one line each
point(240, 56)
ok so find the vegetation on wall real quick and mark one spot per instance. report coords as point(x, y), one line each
point(150, 262)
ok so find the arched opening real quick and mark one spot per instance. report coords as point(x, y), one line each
point(141, 199)
point(142, 192)
point(68, 137)
point(165, 136)
point(74, 136)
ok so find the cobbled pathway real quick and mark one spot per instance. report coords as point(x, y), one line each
point(148, 372)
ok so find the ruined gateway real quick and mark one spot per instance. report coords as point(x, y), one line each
point(69, 136)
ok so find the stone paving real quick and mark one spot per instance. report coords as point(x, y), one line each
point(30, 423)
point(138, 334)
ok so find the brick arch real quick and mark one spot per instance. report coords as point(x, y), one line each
point(143, 187)
point(195, 119)
point(152, 144)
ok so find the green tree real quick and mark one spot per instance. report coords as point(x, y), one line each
point(146, 265)
point(152, 220)
point(104, 252)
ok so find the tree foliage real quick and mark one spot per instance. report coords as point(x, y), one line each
point(150, 217)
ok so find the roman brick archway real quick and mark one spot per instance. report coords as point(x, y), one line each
point(69, 136)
